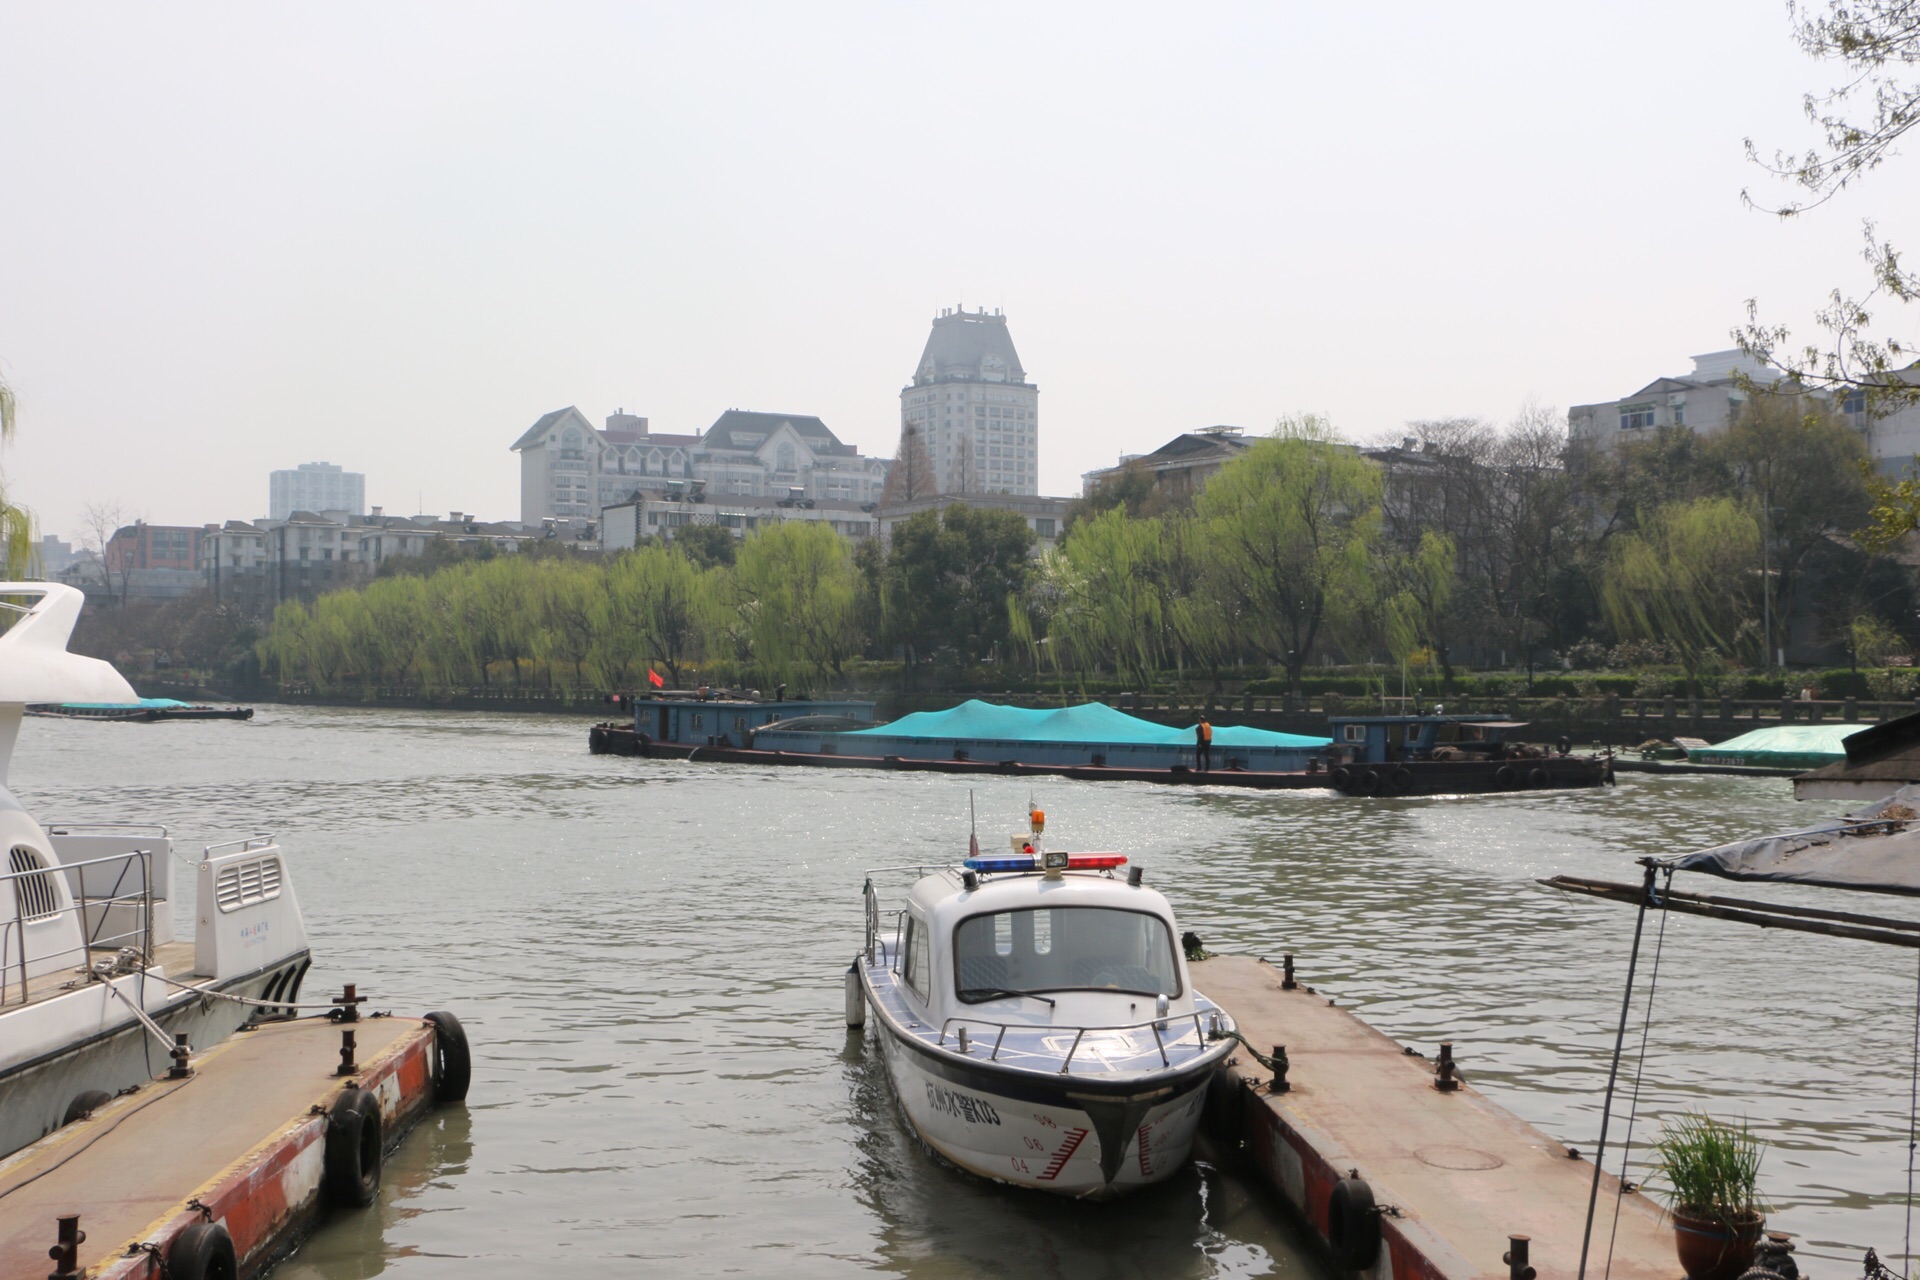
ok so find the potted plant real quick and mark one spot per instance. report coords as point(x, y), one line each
point(1711, 1171)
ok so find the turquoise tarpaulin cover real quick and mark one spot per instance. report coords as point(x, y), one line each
point(1785, 746)
point(144, 704)
point(1090, 722)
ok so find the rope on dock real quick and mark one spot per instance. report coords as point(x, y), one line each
point(227, 995)
point(1276, 1064)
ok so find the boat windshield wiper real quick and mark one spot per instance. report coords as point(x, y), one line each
point(974, 994)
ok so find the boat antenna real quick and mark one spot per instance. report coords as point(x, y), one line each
point(973, 829)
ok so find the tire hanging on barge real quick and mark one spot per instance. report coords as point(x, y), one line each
point(452, 1058)
point(204, 1251)
point(1353, 1224)
point(351, 1162)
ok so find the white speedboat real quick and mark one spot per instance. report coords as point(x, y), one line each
point(1038, 1020)
point(96, 992)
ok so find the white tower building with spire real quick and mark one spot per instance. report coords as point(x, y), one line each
point(972, 406)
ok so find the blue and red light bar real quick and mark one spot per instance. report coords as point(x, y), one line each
point(1031, 862)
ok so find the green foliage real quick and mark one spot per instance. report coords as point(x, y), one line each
point(1686, 577)
point(652, 606)
point(16, 522)
point(949, 580)
point(1844, 683)
point(1710, 1169)
point(709, 546)
point(1873, 641)
point(1108, 605)
point(1288, 531)
point(794, 584)
point(1131, 488)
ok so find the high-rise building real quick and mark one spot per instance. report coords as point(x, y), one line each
point(315, 486)
point(972, 408)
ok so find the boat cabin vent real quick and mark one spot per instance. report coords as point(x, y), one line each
point(33, 883)
point(245, 883)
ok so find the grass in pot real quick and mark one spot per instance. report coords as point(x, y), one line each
point(1711, 1172)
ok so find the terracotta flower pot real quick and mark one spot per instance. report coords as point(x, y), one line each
point(1709, 1250)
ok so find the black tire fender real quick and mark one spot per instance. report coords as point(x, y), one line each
point(351, 1166)
point(204, 1251)
point(1353, 1224)
point(452, 1059)
point(1367, 781)
point(1402, 778)
point(85, 1104)
point(1342, 778)
point(597, 740)
point(1504, 777)
point(1537, 779)
point(643, 745)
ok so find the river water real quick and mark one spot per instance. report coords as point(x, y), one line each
point(648, 958)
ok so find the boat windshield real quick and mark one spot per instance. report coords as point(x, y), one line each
point(1063, 949)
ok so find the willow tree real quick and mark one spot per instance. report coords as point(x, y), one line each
point(1414, 589)
point(797, 588)
point(656, 608)
point(1805, 474)
point(399, 614)
point(305, 644)
point(1686, 577)
point(568, 594)
point(1287, 534)
point(1106, 607)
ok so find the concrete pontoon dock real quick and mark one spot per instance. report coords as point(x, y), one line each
point(1462, 1174)
point(242, 1142)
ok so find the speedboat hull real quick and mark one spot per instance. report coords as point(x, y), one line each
point(1078, 1135)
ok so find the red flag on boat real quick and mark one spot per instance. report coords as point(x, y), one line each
point(654, 678)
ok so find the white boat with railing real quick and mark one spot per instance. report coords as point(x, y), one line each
point(1038, 1020)
point(95, 989)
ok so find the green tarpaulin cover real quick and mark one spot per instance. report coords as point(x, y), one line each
point(1786, 746)
point(1090, 722)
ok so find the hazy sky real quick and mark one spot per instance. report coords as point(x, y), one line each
point(235, 238)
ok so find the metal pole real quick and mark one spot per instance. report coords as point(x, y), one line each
point(1613, 1073)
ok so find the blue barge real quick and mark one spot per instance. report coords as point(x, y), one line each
point(1367, 755)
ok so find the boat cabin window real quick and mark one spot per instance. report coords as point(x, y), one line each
point(1353, 733)
point(918, 961)
point(1064, 949)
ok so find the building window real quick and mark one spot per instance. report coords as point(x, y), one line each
point(1855, 404)
point(1636, 417)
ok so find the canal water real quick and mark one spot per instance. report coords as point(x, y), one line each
point(648, 957)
